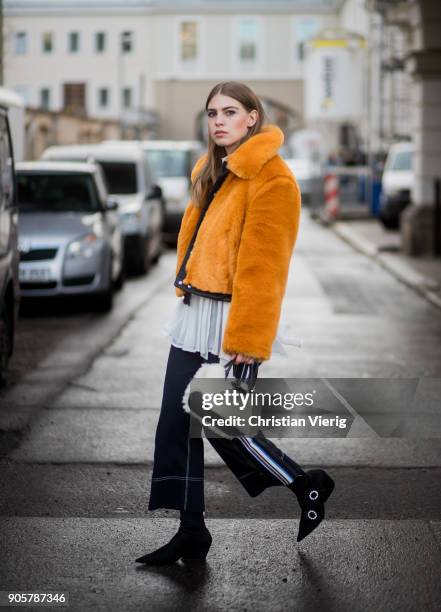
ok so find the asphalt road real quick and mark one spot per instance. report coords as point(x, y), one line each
point(77, 425)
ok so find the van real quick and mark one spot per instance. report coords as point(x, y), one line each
point(9, 254)
point(396, 184)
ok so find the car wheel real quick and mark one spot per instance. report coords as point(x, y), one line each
point(389, 221)
point(158, 253)
point(6, 341)
point(144, 262)
point(121, 278)
point(104, 299)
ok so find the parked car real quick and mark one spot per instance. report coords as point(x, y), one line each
point(172, 162)
point(70, 238)
point(396, 184)
point(309, 176)
point(130, 181)
point(9, 257)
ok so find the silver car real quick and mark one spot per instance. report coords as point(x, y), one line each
point(130, 182)
point(70, 240)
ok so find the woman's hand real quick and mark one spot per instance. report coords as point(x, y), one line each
point(241, 358)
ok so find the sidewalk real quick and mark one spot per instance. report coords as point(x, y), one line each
point(423, 274)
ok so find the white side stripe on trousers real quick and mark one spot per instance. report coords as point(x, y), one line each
point(266, 460)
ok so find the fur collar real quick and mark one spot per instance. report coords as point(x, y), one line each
point(247, 160)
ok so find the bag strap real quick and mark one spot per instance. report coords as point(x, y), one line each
point(215, 188)
point(245, 374)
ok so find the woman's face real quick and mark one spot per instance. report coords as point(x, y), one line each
point(228, 121)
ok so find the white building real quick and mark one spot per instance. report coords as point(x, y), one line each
point(114, 59)
point(111, 58)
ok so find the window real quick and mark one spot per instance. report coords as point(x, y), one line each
point(56, 193)
point(188, 40)
point(126, 42)
point(103, 97)
point(248, 40)
point(47, 42)
point(24, 91)
point(247, 46)
point(45, 97)
point(304, 28)
point(127, 97)
point(401, 160)
point(168, 163)
point(21, 43)
point(75, 97)
point(74, 42)
point(120, 176)
point(100, 42)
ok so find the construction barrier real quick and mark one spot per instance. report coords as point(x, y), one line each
point(332, 196)
point(345, 192)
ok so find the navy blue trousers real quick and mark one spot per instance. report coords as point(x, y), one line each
point(178, 469)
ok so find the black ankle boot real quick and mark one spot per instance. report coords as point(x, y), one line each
point(188, 544)
point(311, 490)
point(192, 521)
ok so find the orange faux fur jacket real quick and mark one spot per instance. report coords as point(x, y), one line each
point(245, 242)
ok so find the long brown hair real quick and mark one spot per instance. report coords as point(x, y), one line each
point(212, 166)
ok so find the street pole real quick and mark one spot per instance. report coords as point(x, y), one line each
point(437, 218)
point(1, 42)
point(381, 82)
point(120, 79)
point(370, 178)
point(141, 103)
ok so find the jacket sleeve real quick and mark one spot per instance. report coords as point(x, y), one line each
point(268, 238)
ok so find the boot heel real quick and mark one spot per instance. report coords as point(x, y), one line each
point(184, 544)
point(197, 553)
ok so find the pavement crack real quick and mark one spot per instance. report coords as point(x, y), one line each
point(81, 386)
point(117, 354)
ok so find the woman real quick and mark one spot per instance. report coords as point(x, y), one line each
point(233, 254)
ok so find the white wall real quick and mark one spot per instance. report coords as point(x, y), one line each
point(36, 69)
point(354, 17)
point(155, 54)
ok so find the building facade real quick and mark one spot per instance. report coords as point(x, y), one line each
point(151, 63)
point(143, 60)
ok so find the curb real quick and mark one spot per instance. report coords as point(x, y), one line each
point(423, 285)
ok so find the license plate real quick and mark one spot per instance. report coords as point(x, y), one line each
point(34, 274)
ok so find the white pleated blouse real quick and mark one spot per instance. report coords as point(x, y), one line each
point(200, 326)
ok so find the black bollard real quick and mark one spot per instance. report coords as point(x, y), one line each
point(437, 219)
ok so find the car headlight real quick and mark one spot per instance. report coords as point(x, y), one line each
point(82, 247)
point(132, 216)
